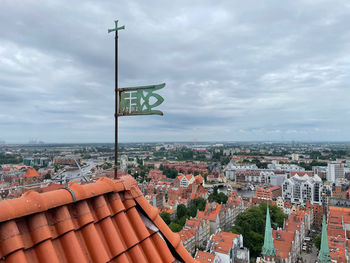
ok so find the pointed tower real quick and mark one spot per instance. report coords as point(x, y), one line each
point(268, 251)
point(324, 255)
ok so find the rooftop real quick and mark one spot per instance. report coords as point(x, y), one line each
point(106, 221)
point(31, 172)
point(204, 257)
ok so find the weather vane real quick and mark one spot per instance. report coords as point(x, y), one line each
point(132, 101)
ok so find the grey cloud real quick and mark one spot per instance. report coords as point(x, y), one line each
point(233, 69)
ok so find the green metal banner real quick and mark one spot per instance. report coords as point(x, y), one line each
point(140, 100)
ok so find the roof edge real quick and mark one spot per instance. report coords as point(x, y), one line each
point(33, 202)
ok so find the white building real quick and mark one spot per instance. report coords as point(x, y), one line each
point(335, 171)
point(295, 157)
point(298, 190)
point(274, 179)
point(231, 169)
point(284, 167)
point(185, 180)
point(228, 247)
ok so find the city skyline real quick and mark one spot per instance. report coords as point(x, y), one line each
point(267, 71)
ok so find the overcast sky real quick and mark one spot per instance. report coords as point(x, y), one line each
point(234, 70)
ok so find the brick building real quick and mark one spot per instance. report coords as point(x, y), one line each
point(268, 192)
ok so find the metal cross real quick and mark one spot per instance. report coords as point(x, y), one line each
point(116, 27)
point(130, 98)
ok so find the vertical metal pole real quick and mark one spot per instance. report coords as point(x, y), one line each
point(116, 109)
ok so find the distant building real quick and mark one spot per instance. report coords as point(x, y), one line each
point(301, 174)
point(298, 190)
point(66, 161)
point(284, 167)
point(295, 157)
point(184, 181)
point(38, 161)
point(335, 171)
point(268, 192)
point(321, 171)
point(230, 170)
point(275, 179)
point(31, 176)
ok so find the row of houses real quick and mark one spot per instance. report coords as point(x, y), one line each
point(206, 223)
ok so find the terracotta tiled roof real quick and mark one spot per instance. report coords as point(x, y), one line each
point(282, 241)
point(194, 222)
point(224, 241)
point(187, 233)
point(337, 251)
point(106, 221)
point(179, 177)
point(204, 257)
point(199, 179)
point(31, 172)
point(189, 177)
point(51, 187)
point(210, 213)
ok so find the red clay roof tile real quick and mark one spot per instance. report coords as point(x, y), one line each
point(106, 221)
point(31, 172)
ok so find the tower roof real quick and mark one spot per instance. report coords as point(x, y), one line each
point(324, 255)
point(268, 249)
point(31, 172)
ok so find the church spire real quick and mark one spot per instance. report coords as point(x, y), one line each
point(324, 255)
point(268, 249)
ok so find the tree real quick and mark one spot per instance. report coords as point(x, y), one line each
point(181, 221)
point(166, 217)
point(175, 227)
point(47, 176)
point(251, 224)
point(192, 211)
point(181, 211)
point(220, 198)
point(170, 172)
point(318, 242)
point(225, 161)
point(199, 203)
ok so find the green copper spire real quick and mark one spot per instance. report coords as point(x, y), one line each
point(268, 249)
point(324, 255)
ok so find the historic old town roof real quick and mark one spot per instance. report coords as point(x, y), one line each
point(31, 172)
point(106, 221)
point(199, 179)
point(223, 241)
point(187, 233)
point(211, 212)
point(283, 242)
point(205, 257)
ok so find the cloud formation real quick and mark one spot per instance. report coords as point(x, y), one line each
point(235, 70)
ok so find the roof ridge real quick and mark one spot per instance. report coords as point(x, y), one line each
point(33, 203)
